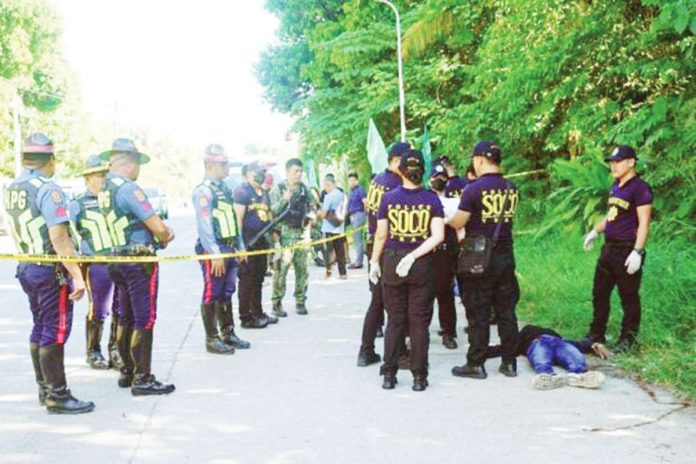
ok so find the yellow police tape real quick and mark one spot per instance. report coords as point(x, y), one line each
point(157, 259)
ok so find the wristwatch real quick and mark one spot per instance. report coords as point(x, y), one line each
point(640, 251)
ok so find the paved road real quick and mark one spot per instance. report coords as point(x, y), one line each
point(297, 397)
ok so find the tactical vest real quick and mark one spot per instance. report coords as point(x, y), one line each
point(298, 206)
point(27, 224)
point(92, 226)
point(120, 224)
point(225, 220)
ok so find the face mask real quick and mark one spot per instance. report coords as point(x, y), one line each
point(259, 177)
point(438, 184)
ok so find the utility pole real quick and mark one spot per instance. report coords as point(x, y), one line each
point(17, 135)
point(402, 99)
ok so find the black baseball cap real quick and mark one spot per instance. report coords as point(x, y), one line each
point(621, 152)
point(412, 159)
point(489, 149)
point(437, 168)
point(399, 149)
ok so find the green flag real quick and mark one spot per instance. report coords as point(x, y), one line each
point(425, 148)
point(312, 174)
point(376, 151)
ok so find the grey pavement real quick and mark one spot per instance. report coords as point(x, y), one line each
point(297, 396)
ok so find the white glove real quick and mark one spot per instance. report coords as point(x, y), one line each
point(405, 265)
point(633, 262)
point(375, 272)
point(589, 240)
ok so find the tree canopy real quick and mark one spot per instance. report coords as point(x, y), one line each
point(557, 83)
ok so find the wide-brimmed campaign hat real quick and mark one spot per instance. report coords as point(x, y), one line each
point(124, 146)
point(214, 153)
point(38, 144)
point(95, 164)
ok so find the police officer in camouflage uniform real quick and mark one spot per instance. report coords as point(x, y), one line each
point(294, 200)
point(39, 222)
point(95, 240)
point(218, 232)
point(136, 230)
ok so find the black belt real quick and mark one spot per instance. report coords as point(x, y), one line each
point(230, 242)
point(135, 250)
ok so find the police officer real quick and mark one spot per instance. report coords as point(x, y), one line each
point(625, 228)
point(374, 317)
point(445, 263)
point(39, 221)
point(294, 201)
point(136, 230)
point(253, 208)
point(485, 203)
point(95, 239)
point(410, 224)
point(218, 232)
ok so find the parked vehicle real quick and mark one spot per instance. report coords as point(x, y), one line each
point(158, 200)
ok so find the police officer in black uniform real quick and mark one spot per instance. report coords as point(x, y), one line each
point(484, 204)
point(253, 208)
point(39, 222)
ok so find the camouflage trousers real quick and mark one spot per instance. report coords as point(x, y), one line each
point(298, 259)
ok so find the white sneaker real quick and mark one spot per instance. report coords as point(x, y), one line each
point(590, 379)
point(548, 381)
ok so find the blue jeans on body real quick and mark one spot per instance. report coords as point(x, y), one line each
point(357, 220)
point(546, 351)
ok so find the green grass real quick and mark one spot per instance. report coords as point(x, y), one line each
point(556, 276)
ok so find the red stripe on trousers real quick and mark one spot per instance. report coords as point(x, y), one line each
point(208, 294)
point(62, 314)
point(153, 296)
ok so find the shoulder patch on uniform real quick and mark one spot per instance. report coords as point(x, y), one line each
point(56, 197)
point(139, 195)
point(203, 201)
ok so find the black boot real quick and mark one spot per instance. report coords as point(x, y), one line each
point(278, 309)
point(226, 322)
point(43, 387)
point(449, 342)
point(469, 370)
point(59, 400)
point(115, 360)
point(123, 341)
point(213, 344)
point(420, 382)
point(508, 368)
point(94, 334)
point(367, 357)
point(301, 309)
point(390, 381)
point(144, 383)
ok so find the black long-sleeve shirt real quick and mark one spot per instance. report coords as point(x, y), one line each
point(529, 333)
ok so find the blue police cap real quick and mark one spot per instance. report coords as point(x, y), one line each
point(489, 149)
point(621, 152)
point(399, 149)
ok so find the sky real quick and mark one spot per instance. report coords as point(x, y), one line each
point(183, 69)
